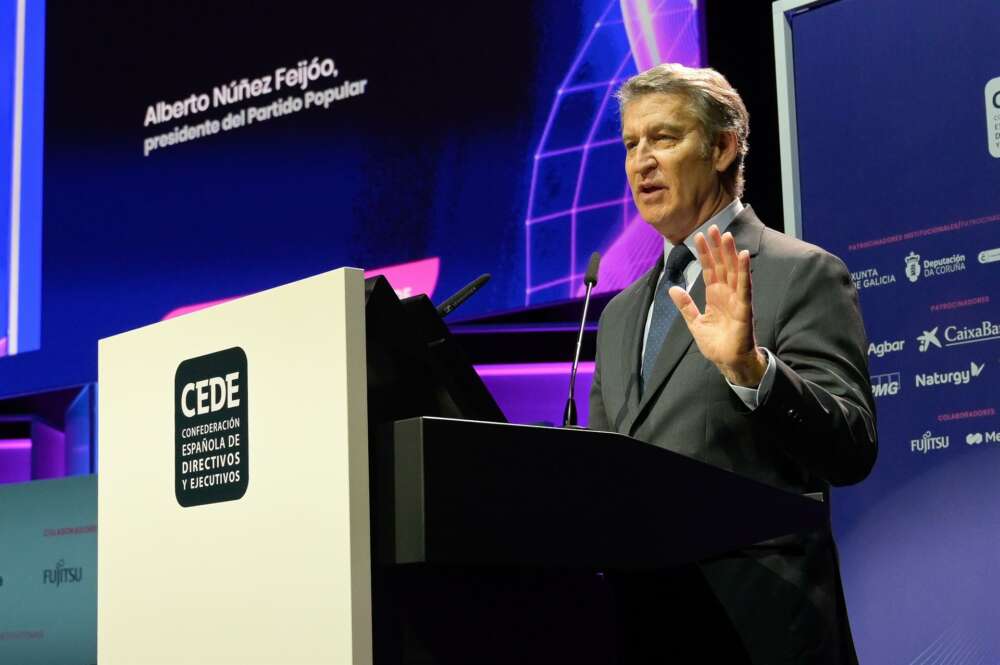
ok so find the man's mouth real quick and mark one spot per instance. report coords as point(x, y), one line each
point(649, 188)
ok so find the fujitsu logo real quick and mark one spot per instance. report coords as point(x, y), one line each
point(929, 442)
point(62, 574)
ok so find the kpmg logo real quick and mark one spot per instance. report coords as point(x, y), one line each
point(928, 339)
point(62, 574)
point(917, 267)
point(929, 442)
point(956, 378)
point(885, 385)
point(913, 266)
point(885, 346)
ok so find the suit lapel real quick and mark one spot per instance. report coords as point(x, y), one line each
point(635, 328)
point(675, 345)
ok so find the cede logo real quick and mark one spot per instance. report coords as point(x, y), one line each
point(956, 378)
point(884, 347)
point(211, 448)
point(993, 116)
point(885, 385)
point(928, 339)
point(929, 442)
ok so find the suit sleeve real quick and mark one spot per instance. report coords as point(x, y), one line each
point(821, 401)
point(597, 418)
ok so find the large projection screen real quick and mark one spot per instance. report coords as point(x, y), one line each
point(890, 121)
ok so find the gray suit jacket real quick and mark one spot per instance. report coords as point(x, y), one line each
point(816, 428)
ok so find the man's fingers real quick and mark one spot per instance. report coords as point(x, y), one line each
point(715, 248)
point(685, 305)
point(743, 285)
point(705, 258)
point(731, 260)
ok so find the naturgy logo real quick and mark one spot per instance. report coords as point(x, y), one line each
point(956, 378)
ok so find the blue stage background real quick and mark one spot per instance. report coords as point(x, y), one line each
point(897, 178)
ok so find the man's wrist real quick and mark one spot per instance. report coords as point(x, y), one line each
point(748, 372)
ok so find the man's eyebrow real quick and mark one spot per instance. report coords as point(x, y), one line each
point(668, 127)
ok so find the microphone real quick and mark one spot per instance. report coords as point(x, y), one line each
point(590, 279)
point(463, 294)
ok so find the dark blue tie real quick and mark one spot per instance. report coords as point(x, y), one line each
point(664, 310)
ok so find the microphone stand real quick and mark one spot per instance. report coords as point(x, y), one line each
point(569, 413)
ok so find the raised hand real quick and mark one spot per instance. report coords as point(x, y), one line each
point(724, 332)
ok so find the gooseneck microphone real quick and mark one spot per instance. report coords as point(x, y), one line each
point(463, 294)
point(590, 279)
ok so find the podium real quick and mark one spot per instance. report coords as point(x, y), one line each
point(279, 469)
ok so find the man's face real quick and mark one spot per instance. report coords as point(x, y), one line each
point(674, 179)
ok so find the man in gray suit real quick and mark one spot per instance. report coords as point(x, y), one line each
point(767, 379)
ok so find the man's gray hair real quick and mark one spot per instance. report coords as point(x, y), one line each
point(714, 103)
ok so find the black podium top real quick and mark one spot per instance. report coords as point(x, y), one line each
point(467, 492)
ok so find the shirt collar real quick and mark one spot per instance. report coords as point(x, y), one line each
point(722, 219)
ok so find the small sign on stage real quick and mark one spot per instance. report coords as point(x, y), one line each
point(211, 452)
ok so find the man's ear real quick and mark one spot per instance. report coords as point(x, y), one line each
point(724, 151)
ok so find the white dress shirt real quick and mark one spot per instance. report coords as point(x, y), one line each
point(752, 397)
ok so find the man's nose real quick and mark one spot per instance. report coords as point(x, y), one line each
point(645, 161)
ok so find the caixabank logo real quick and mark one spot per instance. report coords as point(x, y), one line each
point(211, 447)
point(958, 335)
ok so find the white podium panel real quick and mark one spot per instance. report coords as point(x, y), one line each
point(233, 484)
